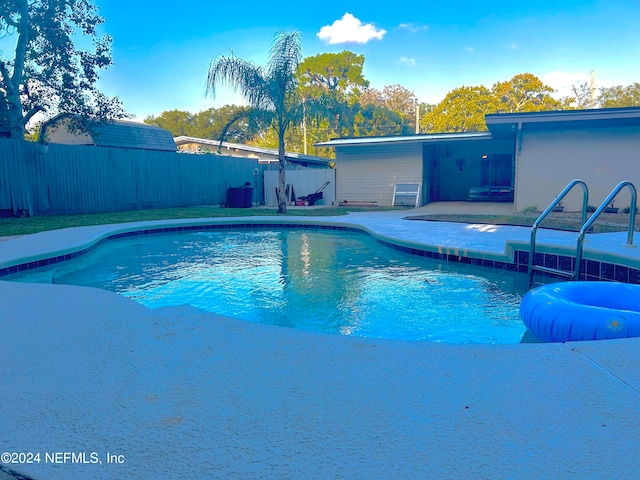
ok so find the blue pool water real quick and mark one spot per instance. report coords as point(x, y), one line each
point(343, 283)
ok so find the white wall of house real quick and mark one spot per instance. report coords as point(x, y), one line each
point(549, 159)
point(369, 173)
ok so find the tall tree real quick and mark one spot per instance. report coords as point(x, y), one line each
point(340, 73)
point(372, 120)
point(462, 110)
point(400, 100)
point(620, 96)
point(396, 99)
point(178, 122)
point(371, 96)
point(211, 123)
point(524, 93)
point(46, 71)
point(272, 92)
point(332, 81)
point(580, 98)
point(208, 123)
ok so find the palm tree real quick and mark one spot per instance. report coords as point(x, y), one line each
point(271, 92)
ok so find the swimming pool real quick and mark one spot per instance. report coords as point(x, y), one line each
point(343, 283)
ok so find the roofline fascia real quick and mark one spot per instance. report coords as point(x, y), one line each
point(556, 116)
point(442, 137)
point(183, 139)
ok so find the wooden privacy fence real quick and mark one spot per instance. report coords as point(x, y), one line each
point(69, 179)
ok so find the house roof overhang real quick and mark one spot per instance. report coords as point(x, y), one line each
point(427, 138)
point(290, 156)
point(504, 125)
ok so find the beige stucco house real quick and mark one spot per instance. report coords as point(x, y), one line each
point(599, 146)
point(525, 159)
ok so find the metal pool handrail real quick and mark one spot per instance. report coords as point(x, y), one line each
point(543, 215)
point(586, 226)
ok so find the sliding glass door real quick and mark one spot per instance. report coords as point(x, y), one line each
point(492, 178)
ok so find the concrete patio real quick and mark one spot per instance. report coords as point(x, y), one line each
point(179, 393)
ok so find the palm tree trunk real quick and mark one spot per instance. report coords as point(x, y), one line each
point(282, 194)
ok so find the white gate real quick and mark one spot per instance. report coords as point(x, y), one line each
point(303, 182)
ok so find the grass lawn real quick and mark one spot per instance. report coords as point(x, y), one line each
point(562, 221)
point(22, 226)
point(606, 223)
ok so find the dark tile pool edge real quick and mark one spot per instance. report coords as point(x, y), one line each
point(20, 267)
point(592, 269)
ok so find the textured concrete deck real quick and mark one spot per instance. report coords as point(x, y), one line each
point(184, 394)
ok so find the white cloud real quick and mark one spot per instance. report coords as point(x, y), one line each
point(562, 82)
point(413, 28)
point(411, 62)
point(349, 30)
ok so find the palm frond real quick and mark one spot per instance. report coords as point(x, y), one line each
point(239, 114)
point(242, 76)
point(258, 116)
point(284, 56)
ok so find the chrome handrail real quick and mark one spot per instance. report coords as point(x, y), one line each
point(586, 226)
point(549, 209)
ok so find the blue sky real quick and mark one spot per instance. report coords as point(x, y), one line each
point(162, 49)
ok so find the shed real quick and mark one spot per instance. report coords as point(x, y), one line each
point(109, 133)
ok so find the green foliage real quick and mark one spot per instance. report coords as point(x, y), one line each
point(211, 123)
point(178, 122)
point(46, 71)
point(617, 96)
point(26, 225)
point(208, 123)
point(620, 96)
point(337, 73)
point(372, 120)
point(524, 93)
point(464, 108)
point(399, 102)
point(330, 84)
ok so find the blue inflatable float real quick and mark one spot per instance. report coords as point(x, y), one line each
point(573, 311)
